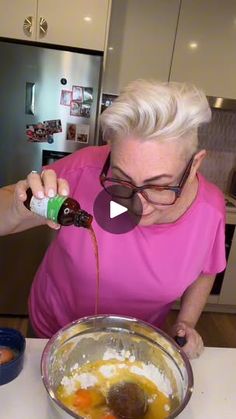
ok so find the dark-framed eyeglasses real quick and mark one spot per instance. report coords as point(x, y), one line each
point(159, 195)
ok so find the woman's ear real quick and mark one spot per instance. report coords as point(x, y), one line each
point(197, 161)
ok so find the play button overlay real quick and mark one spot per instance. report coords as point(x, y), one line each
point(114, 214)
point(116, 209)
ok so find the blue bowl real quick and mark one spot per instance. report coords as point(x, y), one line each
point(14, 340)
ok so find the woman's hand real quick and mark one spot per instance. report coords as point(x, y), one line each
point(42, 185)
point(194, 346)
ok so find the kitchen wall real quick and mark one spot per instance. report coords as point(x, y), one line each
point(219, 139)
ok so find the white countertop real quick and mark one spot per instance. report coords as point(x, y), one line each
point(214, 395)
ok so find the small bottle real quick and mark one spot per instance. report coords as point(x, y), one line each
point(63, 210)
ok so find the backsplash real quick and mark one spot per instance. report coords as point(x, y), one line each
point(219, 139)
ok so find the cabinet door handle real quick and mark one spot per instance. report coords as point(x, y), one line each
point(43, 27)
point(28, 26)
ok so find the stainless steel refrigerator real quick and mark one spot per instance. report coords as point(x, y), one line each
point(49, 107)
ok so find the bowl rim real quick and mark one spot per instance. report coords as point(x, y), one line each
point(188, 366)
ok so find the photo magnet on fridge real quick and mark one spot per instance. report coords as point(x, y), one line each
point(82, 133)
point(53, 126)
point(85, 110)
point(77, 93)
point(87, 95)
point(36, 133)
point(80, 109)
point(43, 131)
point(66, 97)
point(71, 132)
point(75, 108)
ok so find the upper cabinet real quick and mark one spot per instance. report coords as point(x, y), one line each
point(205, 49)
point(140, 42)
point(80, 23)
point(74, 23)
point(18, 19)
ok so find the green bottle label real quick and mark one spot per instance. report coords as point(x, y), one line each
point(54, 206)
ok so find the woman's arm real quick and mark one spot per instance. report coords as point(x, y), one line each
point(14, 217)
point(192, 304)
point(194, 299)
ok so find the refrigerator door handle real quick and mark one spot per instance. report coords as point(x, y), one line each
point(43, 27)
point(29, 98)
point(28, 26)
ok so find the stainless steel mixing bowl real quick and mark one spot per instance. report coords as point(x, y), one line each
point(89, 338)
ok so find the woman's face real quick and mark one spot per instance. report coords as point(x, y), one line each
point(149, 162)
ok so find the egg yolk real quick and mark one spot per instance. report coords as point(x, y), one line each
point(6, 355)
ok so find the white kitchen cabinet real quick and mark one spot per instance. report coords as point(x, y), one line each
point(205, 48)
point(74, 23)
point(78, 23)
point(18, 19)
point(140, 42)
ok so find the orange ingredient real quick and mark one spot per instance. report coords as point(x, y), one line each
point(109, 417)
point(6, 355)
point(83, 399)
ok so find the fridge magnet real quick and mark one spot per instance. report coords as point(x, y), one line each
point(77, 93)
point(75, 108)
point(30, 133)
point(82, 133)
point(50, 139)
point(71, 132)
point(36, 133)
point(53, 126)
point(66, 97)
point(85, 110)
point(87, 95)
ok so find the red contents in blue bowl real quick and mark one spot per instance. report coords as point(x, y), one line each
point(12, 348)
point(6, 355)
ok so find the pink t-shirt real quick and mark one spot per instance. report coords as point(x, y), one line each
point(142, 272)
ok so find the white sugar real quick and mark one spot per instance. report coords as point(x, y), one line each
point(122, 356)
point(152, 373)
point(108, 370)
point(85, 380)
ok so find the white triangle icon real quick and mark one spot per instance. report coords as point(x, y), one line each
point(116, 209)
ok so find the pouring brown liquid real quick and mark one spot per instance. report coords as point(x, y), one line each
point(126, 399)
point(95, 246)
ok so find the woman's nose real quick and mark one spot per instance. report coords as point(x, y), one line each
point(145, 204)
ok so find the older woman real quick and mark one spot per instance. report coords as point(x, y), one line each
point(178, 246)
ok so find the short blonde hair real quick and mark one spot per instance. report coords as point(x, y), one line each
point(154, 110)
